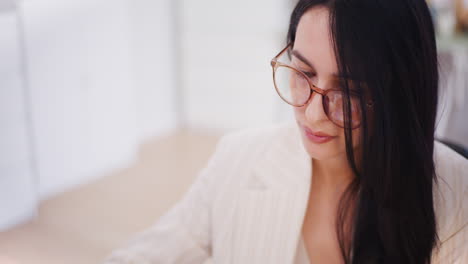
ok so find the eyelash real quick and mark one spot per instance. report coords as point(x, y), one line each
point(309, 74)
point(312, 74)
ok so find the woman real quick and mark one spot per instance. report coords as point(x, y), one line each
point(357, 178)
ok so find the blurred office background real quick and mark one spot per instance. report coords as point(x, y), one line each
point(108, 109)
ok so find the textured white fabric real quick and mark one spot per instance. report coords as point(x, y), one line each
point(302, 256)
point(248, 204)
point(453, 96)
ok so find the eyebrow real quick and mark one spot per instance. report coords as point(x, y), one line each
point(298, 55)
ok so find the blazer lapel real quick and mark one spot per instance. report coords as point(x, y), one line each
point(270, 208)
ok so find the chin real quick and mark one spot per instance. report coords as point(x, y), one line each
point(320, 151)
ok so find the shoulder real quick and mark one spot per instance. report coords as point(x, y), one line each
point(450, 197)
point(251, 152)
point(248, 140)
point(452, 176)
point(449, 162)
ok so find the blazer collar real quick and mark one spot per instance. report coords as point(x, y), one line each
point(271, 205)
point(285, 164)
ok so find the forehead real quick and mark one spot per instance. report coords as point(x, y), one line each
point(313, 40)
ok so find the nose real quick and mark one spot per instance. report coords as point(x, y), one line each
point(314, 109)
point(314, 112)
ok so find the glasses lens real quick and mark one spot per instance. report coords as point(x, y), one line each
point(292, 86)
point(334, 103)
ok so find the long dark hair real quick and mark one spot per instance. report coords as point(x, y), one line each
point(389, 46)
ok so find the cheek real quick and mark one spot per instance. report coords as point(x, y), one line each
point(299, 112)
point(356, 137)
point(356, 142)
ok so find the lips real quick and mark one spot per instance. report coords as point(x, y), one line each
point(317, 136)
point(316, 133)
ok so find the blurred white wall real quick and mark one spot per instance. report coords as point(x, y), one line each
point(103, 76)
point(18, 197)
point(99, 80)
point(226, 50)
point(79, 77)
point(152, 35)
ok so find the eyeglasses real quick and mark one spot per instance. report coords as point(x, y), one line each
point(295, 87)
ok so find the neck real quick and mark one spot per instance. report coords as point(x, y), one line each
point(333, 174)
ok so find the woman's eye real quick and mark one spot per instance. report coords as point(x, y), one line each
point(309, 74)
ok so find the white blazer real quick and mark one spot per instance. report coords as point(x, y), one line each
point(248, 204)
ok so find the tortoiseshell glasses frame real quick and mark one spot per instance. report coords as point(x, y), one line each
point(275, 64)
